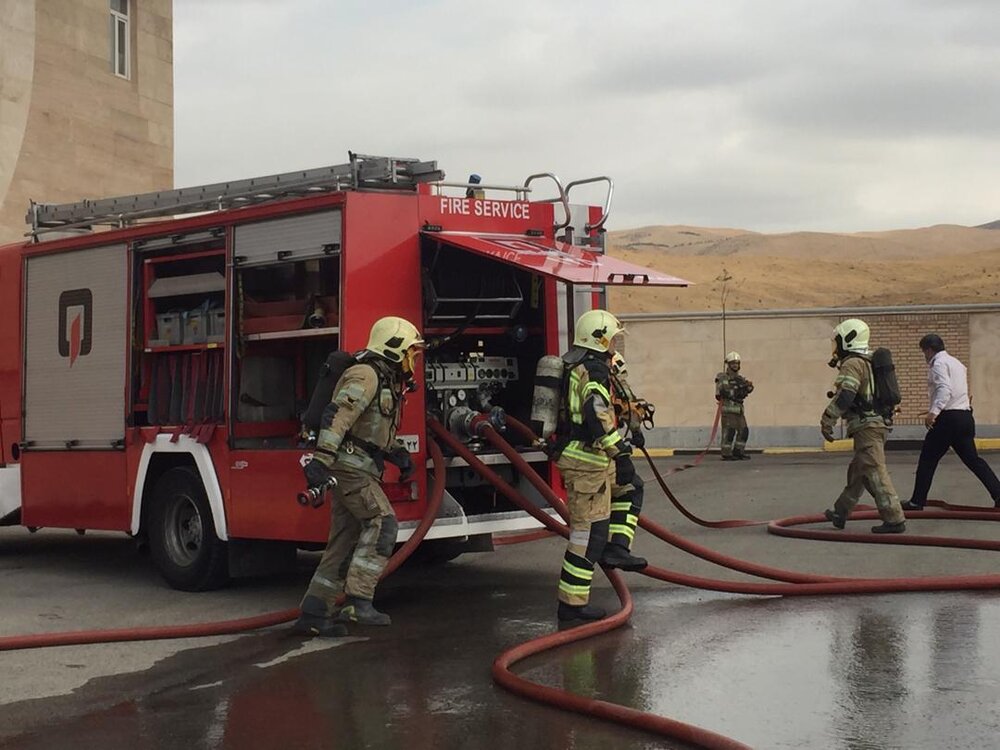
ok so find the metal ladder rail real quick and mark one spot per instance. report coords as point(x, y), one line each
point(372, 172)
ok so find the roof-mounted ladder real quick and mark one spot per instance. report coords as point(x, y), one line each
point(362, 172)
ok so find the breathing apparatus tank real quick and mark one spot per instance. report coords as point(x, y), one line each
point(335, 366)
point(545, 402)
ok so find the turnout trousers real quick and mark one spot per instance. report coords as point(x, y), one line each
point(626, 505)
point(868, 471)
point(362, 536)
point(734, 434)
point(588, 496)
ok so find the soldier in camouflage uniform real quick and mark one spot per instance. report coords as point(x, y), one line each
point(357, 435)
point(731, 389)
point(626, 498)
point(591, 455)
point(854, 391)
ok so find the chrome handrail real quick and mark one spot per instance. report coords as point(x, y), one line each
point(607, 201)
point(562, 195)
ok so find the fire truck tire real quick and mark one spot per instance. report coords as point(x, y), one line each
point(182, 540)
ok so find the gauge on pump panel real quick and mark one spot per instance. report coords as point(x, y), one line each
point(461, 394)
point(452, 401)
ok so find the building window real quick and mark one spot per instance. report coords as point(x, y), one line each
point(121, 52)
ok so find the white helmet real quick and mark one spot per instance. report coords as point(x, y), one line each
point(397, 340)
point(851, 336)
point(595, 329)
point(732, 357)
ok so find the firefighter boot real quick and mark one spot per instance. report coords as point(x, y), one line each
point(570, 616)
point(618, 556)
point(313, 620)
point(889, 528)
point(838, 521)
point(362, 612)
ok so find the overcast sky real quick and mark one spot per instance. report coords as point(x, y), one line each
point(772, 115)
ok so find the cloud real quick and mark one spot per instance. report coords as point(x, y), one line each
point(771, 114)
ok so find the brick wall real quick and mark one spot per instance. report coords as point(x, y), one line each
point(673, 361)
point(901, 334)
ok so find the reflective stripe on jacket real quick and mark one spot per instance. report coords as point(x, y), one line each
point(594, 427)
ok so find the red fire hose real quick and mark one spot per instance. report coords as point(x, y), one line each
point(795, 583)
point(226, 627)
point(792, 583)
point(630, 717)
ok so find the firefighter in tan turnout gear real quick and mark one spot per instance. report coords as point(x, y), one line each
point(357, 435)
point(591, 455)
point(853, 397)
point(731, 389)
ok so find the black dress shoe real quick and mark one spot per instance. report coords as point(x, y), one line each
point(910, 505)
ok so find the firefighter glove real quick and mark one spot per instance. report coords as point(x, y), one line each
point(400, 458)
point(826, 427)
point(624, 469)
point(317, 475)
point(638, 439)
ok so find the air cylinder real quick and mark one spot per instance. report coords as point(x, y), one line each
point(545, 402)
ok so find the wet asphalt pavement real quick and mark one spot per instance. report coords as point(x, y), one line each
point(890, 671)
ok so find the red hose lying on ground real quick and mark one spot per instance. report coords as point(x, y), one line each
point(226, 627)
point(629, 717)
point(804, 584)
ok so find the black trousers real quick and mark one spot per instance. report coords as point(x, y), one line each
point(956, 429)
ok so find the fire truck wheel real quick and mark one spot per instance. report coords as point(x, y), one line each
point(182, 538)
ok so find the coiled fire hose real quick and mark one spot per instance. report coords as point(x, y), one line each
point(630, 717)
point(227, 627)
point(793, 583)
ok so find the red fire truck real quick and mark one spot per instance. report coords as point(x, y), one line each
point(152, 375)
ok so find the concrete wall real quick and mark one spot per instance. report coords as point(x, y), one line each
point(984, 368)
point(69, 128)
point(673, 360)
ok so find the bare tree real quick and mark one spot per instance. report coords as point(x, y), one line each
point(725, 277)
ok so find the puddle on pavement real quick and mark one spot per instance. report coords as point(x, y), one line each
point(864, 672)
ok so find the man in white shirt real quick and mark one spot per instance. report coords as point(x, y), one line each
point(949, 424)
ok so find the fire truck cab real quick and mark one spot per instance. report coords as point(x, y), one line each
point(152, 376)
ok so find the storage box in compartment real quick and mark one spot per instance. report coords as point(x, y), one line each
point(216, 326)
point(195, 327)
point(169, 329)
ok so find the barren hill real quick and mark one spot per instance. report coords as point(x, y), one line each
point(933, 265)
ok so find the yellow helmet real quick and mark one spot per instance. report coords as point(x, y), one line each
point(397, 340)
point(595, 329)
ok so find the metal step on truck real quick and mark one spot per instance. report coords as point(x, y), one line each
point(157, 350)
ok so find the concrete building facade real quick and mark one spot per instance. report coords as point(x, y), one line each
point(673, 359)
point(86, 102)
